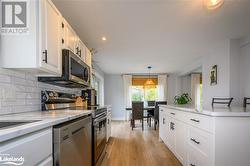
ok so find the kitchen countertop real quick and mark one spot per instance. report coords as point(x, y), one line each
point(46, 119)
point(216, 111)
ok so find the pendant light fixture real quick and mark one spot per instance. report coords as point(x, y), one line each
point(149, 82)
point(213, 4)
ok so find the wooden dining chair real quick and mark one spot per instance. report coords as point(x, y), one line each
point(223, 101)
point(156, 111)
point(150, 112)
point(246, 101)
point(137, 113)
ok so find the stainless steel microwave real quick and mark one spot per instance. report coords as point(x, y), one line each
point(75, 73)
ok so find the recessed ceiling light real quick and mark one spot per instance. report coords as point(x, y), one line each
point(213, 4)
point(104, 38)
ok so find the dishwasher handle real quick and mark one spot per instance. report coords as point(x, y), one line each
point(77, 130)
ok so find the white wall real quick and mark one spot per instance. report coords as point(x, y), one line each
point(173, 87)
point(218, 55)
point(177, 85)
point(235, 88)
point(114, 95)
point(232, 57)
point(186, 84)
point(245, 68)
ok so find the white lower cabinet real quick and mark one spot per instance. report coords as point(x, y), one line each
point(35, 148)
point(199, 140)
point(162, 123)
point(170, 133)
point(108, 124)
point(180, 141)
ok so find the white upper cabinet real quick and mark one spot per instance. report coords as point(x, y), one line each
point(82, 48)
point(71, 38)
point(72, 41)
point(51, 37)
point(88, 58)
point(39, 50)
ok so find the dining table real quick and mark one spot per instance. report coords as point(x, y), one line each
point(146, 108)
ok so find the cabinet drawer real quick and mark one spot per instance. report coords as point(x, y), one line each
point(37, 144)
point(200, 121)
point(195, 158)
point(200, 140)
point(179, 115)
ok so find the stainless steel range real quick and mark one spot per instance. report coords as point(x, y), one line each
point(56, 100)
point(99, 135)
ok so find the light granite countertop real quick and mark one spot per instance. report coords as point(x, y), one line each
point(46, 119)
point(216, 111)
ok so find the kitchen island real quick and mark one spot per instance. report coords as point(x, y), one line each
point(206, 136)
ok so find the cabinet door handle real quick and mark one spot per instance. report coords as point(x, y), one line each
point(192, 139)
point(76, 50)
point(192, 164)
point(172, 113)
point(80, 51)
point(161, 110)
point(195, 120)
point(172, 125)
point(163, 120)
point(45, 52)
point(62, 25)
point(62, 41)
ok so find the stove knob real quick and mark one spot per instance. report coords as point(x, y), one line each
point(51, 94)
point(55, 94)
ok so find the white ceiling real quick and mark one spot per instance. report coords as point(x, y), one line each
point(166, 34)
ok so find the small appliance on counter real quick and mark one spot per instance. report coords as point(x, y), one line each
point(91, 97)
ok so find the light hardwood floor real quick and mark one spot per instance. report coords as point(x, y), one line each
point(137, 147)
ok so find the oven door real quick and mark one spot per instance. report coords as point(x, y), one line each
point(78, 71)
point(100, 132)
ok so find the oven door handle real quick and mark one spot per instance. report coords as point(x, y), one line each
point(96, 121)
point(101, 115)
point(100, 119)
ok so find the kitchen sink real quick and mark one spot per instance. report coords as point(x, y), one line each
point(8, 124)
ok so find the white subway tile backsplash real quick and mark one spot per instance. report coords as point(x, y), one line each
point(31, 77)
point(18, 81)
point(19, 88)
point(21, 92)
point(13, 73)
point(13, 102)
point(32, 102)
point(33, 95)
point(5, 79)
point(5, 110)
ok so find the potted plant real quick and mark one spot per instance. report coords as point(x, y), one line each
point(182, 99)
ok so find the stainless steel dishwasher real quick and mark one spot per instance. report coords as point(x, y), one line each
point(72, 143)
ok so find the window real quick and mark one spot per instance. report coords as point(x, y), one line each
point(150, 94)
point(97, 84)
point(137, 93)
point(141, 92)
